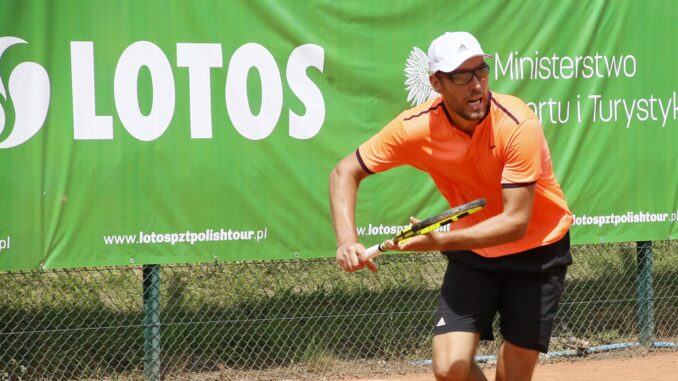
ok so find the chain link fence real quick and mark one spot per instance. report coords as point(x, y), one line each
point(299, 319)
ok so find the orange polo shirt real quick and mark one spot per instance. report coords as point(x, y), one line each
point(507, 149)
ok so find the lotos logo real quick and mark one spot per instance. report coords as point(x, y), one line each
point(28, 91)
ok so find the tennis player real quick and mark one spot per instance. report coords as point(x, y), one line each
point(509, 258)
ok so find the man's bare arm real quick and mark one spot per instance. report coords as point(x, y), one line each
point(508, 226)
point(344, 182)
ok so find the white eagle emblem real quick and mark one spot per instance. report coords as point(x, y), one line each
point(418, 87)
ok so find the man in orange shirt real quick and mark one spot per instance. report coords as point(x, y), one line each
point(510, 258)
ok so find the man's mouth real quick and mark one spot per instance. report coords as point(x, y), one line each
point(475, 102)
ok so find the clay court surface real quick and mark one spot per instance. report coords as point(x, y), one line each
point(648, 367)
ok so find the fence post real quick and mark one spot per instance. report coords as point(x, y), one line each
point(151, 284)
point(645, 293)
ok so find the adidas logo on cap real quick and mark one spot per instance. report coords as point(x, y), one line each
point(441, 322)
point(462, 48)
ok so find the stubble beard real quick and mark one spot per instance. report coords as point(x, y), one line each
point(475, 115)
point(471, 115)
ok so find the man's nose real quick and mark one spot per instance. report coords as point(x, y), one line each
point(475, 82)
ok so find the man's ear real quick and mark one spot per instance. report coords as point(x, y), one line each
point(435, 83)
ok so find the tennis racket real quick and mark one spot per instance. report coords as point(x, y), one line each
point(430, 224)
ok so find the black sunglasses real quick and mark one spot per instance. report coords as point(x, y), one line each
point(463, 77)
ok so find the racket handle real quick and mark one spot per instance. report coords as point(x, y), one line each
point(374, 251)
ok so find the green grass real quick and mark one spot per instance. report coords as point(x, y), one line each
point(265, 315)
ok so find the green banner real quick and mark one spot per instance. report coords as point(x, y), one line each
point(153, 132)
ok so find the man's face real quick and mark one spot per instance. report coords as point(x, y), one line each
point(468, 101)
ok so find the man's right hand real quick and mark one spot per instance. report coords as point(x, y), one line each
point(351, 257)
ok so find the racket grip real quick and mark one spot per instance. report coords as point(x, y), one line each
point(374, 251)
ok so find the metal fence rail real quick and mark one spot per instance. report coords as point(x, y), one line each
point(298, 318)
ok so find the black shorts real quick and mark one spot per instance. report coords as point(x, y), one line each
point(524, 288)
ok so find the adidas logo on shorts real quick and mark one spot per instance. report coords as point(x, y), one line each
point(441, 322)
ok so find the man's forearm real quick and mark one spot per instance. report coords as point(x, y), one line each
point(508, 226)
point(494, 231)
point(343, 191)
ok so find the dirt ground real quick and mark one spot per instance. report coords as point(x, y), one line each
point(662, 366)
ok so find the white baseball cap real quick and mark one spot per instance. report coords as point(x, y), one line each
point(450, 50)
